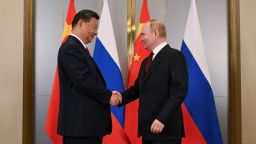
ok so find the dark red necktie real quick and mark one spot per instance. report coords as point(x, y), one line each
point(87, 51)
point(149, 61)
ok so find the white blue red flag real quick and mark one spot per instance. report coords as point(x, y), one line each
point(106, 57)
point(199, 111)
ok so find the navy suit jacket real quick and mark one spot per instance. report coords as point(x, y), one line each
point(84, 109)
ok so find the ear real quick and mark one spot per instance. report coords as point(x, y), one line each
point(156, 32)
point(80, 23)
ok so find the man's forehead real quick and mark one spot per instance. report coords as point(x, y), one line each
point(93, 21)
point(145, 27)
point(147, 24)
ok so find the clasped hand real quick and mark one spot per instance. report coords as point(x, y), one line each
point(116, 98)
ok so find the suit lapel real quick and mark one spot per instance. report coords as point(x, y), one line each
point(88, 57)
point(161, 54)
point(95, 65)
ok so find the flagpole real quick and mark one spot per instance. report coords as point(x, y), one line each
point(28, 75)
point(130, 29)
point(235, 128)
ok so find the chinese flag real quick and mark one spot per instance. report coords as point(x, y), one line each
point(53, 109)
point(131, 109)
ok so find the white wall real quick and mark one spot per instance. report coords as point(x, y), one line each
point(50, 17)
point(11, 71)
point(248, 69)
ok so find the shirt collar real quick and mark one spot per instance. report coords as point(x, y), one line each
point(79, 40)
point(158, 48)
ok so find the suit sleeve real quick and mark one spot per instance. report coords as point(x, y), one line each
point(77, 69)
point(130, 94)
point(178, 87)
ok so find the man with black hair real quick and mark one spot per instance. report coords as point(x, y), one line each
point(84, 111)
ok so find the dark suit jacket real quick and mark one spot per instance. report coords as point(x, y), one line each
point(84, 100)
point(161, 91)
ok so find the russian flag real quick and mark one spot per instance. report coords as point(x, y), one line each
point(199, 111)
point(106, 57)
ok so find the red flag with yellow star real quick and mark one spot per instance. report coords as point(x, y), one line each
point(131, 109)
point(53, 109)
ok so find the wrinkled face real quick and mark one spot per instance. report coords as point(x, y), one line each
point(148, 37)
point(89, 30)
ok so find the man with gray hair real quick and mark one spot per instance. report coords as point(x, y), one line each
point(161, 86)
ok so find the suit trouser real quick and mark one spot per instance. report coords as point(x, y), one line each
point(145, 141)
point(82, 140)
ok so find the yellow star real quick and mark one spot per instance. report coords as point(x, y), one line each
point(136, 57)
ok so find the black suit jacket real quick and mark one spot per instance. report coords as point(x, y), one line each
point(161, 91)
point(84, 100)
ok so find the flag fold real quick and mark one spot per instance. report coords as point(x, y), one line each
point(106, 57)
point(199, 111)
point(53, 108)
point(140, 53)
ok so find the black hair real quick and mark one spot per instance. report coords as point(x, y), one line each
point(85, 15)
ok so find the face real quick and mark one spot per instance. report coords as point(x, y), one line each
point(148, 37)
point(89, 30)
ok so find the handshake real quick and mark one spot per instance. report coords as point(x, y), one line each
point(116, 98)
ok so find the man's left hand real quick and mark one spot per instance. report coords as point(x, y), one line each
point(157, 127)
